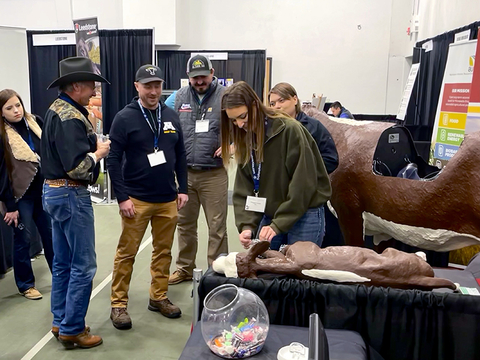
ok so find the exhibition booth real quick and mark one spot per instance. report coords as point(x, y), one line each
point(384, 322)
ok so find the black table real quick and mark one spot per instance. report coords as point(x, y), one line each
point(398, 324)
point(343, 345)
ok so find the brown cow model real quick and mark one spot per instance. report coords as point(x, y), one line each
point(348, 264)
point(440, 215)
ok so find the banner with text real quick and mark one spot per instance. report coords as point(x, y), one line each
point(473, 115)
point(451, 116)
point(88, 45)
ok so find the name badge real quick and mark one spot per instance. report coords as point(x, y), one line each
point(256, 204)
point(156, 158)
point(201, 126)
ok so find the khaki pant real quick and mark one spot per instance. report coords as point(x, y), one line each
point(208, 188)
point(163, 217)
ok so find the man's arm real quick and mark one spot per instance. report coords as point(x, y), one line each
point(118, 136)
point(170, 102)
point(327, 147)
point(181, 156)
point(73, 147)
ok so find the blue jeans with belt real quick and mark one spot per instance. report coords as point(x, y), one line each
point(32, 218)
point(310, 227)
point(74, 263)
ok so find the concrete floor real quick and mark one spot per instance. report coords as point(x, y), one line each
point(25, 324)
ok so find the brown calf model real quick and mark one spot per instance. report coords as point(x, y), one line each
point(442, 215)
point(392, 268)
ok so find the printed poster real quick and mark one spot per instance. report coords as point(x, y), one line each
point(88, 45)
point(451, 117)
point(473, 114)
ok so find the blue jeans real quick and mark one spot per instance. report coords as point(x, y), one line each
point(310, 227)
point(74, 263)
point(31, 215)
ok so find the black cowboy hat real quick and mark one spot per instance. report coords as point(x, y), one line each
point(75, 69)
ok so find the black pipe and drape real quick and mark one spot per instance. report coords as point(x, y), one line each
point(43, 66)
point(421, 111)
point(122, 53)
point(247, 65)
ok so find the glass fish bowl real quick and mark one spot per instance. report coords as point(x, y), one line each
point(234, 322)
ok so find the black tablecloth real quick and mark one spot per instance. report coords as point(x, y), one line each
point(398, 324)
point(343, 345)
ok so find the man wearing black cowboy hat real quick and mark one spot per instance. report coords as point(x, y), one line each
point(70, 156)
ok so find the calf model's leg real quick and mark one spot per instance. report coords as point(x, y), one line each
point(351, 224)
point(277, 265)
point(275, 262)
point(272, 254)
point(426, 283)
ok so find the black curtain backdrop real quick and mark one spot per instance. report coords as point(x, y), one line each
point(253, 70)
point(247, 65)
point(122, 52)
point(398, 324)
point(43, 64)
point(422, 108)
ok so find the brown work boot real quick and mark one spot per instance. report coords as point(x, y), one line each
point(165, 307)
point(32, 294)
point(120, 318)
point(56, 330)
point(83, 340)
point(177, 277)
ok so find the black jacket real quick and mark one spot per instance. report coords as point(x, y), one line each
point(132, 135)
point(67, 138)
point(324, 140)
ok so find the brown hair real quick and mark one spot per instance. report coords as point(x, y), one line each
point(286, 91)
point(239, 94)
point(5, 95)
point(336, 105)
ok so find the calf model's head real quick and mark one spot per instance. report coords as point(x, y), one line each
point(241, 264)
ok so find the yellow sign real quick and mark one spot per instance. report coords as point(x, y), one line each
point(453, 120)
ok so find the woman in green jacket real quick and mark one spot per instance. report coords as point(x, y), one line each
point(281, 181)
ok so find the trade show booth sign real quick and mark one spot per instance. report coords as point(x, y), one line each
point(451, 115)
point(473, 115)
point(88, 45)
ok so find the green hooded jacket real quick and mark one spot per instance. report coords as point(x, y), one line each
point(293, 178)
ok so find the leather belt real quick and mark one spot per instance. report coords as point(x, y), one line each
point(202, 168)
point(63, 182)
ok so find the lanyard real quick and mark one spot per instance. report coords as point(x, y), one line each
point(256, 176)
point(203, 114)
point(30, 140)
point(159, 118)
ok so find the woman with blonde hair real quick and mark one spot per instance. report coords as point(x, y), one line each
point(283, 96)
point(281, 182)
point(21, 185)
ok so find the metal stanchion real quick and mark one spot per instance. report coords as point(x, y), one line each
point(197, 275)
point(109, 188)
